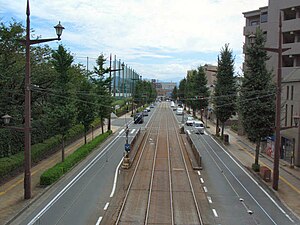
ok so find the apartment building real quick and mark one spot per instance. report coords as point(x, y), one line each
point(267, 19)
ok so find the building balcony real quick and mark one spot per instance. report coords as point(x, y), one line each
point(291, 25)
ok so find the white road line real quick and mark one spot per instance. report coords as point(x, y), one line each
point(205, 189)
point(209, 199)
point(215, 213)
point(188, 132)
point(121, 131)
point(202, 181)
point(199, 173)
point(99, 220)
point(254, 181)
point(72, 182)
point(132, 131)
point(106, 206)
point(115, 179)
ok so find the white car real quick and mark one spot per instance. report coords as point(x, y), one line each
point(190, 121)
point(198, 127)
point(179, 111)
point(145, 112)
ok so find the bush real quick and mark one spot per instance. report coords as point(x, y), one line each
point(53, 174)
point(11, 164)
point(234, 127)
point(256, 167)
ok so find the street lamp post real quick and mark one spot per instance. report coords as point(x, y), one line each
point(112, 70)
point(134, 79)
point(27, 114)
point(279, 51)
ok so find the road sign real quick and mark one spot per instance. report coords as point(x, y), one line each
point(127, 147)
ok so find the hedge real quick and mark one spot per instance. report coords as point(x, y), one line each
point(14, 163)
point(53, 174)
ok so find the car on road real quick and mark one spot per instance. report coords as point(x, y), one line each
point(145, 112)
point(198, 127)
point(138, 118)
point(148, 109)
point(189, 121)
point(179, 111)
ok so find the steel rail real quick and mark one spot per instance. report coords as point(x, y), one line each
point(152, 177)
point(187, 172)
point(134, 174)
point(170, 176)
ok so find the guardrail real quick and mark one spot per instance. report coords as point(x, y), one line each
point(195, 152)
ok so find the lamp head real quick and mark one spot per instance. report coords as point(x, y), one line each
point(59, 29)
point(252, 38)
point(6, 119)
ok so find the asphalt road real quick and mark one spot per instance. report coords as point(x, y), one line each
point(83, 195)
point(235, 196)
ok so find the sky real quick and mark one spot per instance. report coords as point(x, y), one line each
point(159, 39)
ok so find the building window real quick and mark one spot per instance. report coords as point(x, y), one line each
point(292, 92)
point(254, 23)
point(292, 114)
point(288, 37)
point(287, 61)
point(285, 116)
point(264, 17)
point(289, 14)
point(297, 60)
point(287, 92)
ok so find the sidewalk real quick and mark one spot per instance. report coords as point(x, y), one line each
point(289, 178)
point(12, 192)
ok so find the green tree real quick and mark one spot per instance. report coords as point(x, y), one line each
point(62, 110)
point(196, 90)
point(181, 91)
point(188, 92)
point(102, 83)
point(175, 93)
point(201, 90)
point(86, 104)
point(257, 95)
point(225, 88)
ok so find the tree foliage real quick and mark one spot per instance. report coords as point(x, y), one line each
point(225, 88)
point(195, 91)
point(63, 93)
point(256, 101)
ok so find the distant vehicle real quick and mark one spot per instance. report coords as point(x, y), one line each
point(152, 106)
point(179, 111)
point(199, 127)
point(145, 112)
point(138, 118)
point(190, 121)
point(148, 109)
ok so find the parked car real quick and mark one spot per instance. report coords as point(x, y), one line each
point(138, 118)
point(198, 127)
point(172, 104)
point(145, 112)
point(152, 106)
point(189, 121)
point(179, 111)
point(148, 109)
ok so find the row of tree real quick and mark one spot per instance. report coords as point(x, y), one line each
point(251, 96)
point(63, 93)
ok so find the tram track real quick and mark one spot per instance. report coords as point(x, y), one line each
point(160, 190)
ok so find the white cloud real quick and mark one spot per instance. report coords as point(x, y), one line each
point(152, 29)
